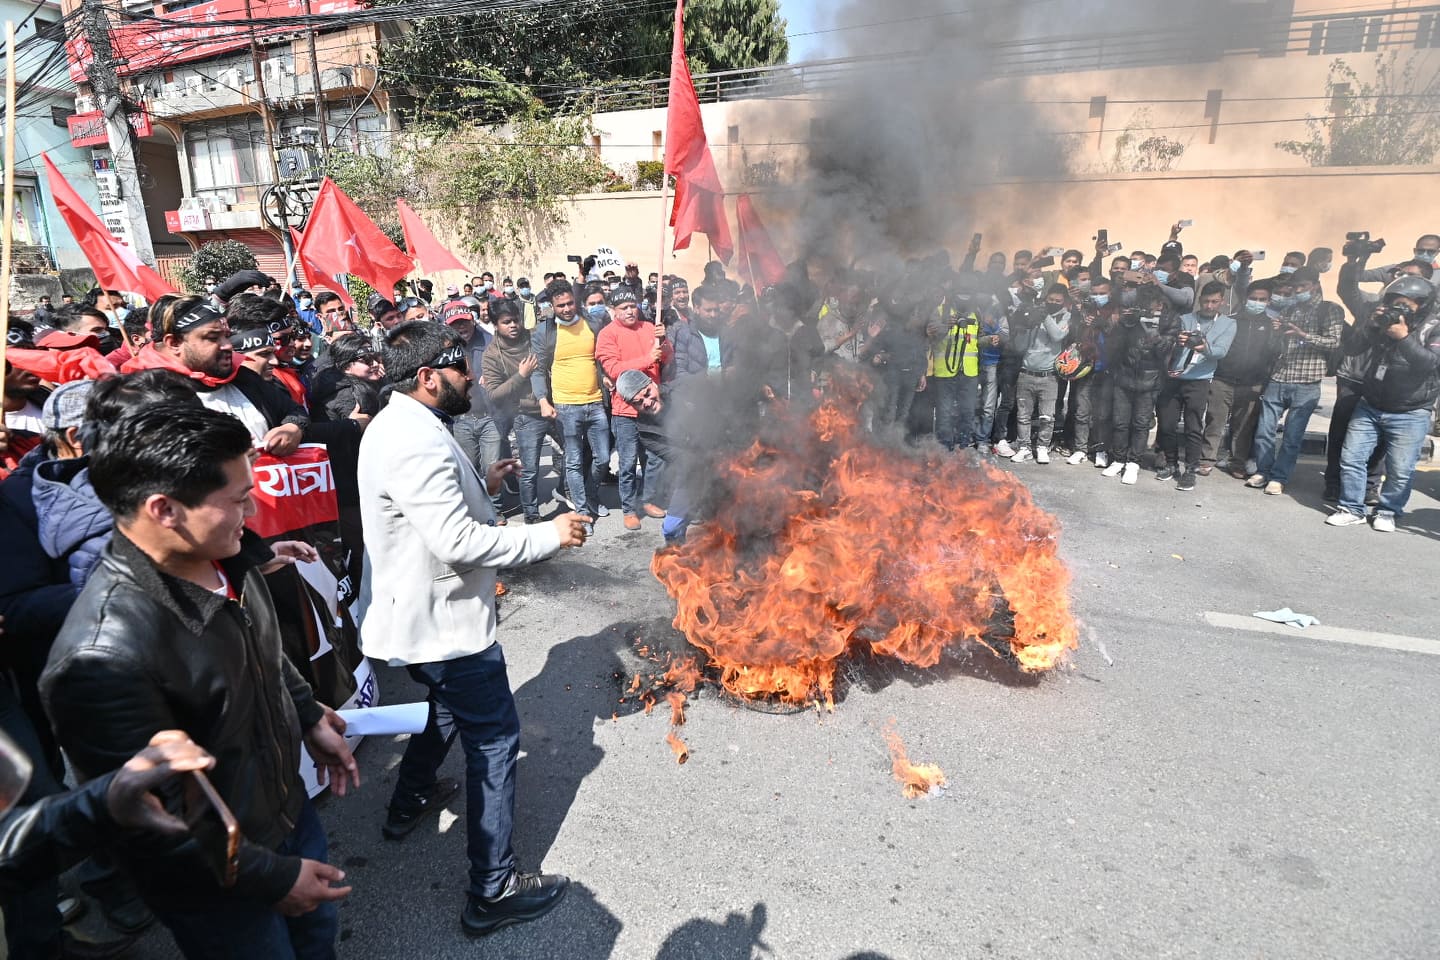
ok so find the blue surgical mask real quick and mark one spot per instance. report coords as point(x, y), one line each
point(1162, 275)
point(524, 291)
point(566, 323)
point(1038, 284)
point(597, 311)
point(1303, 297)
point(1137, 264)
point(1280, 303)
point(1288, 269)
point(1256, 307)
point(486, 285)
point(509, 290)
point(1235, 266)
point(1425, 256)
point(1101, 299)
point(306, 303)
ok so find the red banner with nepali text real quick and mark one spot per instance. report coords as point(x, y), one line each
point(294, 492)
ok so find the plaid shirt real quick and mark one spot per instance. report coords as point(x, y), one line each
point(1307, 359)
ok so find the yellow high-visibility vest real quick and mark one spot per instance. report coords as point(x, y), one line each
point(958, 350)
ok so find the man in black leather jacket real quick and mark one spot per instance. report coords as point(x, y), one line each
point(175, 629)
point(1399, 383)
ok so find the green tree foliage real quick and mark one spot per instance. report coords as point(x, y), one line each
point(1139, 149)
point(525, 63)
point(216, 260)
point(1389, 121)
point(496, 189)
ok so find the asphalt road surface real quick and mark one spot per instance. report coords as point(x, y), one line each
point(1177, 789)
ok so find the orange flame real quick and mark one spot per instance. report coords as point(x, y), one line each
point(828, 542)
point(677, 708)
point(648, 699)
point(677, 746)
point(917, 779)
point(683, 675)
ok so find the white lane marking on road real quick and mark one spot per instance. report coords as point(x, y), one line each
point(1361, 638)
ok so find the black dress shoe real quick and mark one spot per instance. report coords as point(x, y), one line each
point(526, 896)
point(404, 817)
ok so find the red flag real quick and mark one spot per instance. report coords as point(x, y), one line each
point(316, 277)
point(699, 195)
point(116, 266)
point(421, 244)
point(759, 260)
point(339, 238)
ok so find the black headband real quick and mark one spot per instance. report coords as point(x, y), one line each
point(198, 315)
point(247, 341)
point(453, 356)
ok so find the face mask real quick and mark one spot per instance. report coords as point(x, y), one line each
point(509, 290)
point(1127, 297)
point(596, 312)
point(1162, 275)
point(1425, 256)
point(306, 303)
point(1054, 309)
point(1235, 266)
point(487, 285)
point(1083, 286)
point(1288, 269)
point(524, 291)
point(1101, 299)
point(1256, 307)
point(1137, 264)
point(1303, 297)
point(1280, 303)
point(110, 342)
point(566, 323)
point(1038, 284)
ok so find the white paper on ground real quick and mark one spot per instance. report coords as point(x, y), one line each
point(1286, 615)
point(387, 720)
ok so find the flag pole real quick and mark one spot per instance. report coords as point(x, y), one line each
point(7, 231)
point(664, 222)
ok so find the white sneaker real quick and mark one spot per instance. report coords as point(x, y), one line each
point(1101, 460)
point(1113, 470)
point(1384, 521)
point(1344, 518)
point(1003, 449)
point(1274, 488)
point(1132, 472)
point(1042, 454)
point(1022, 455)
point(1077, 457)
point(1256, 481)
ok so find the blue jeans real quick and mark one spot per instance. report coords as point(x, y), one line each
point(470, 697)
point(630, 450)
point(989, 399)
point(1403, 435)
point(243, 929)
point(1300, 399)
point(580, 423)
point(530, 439)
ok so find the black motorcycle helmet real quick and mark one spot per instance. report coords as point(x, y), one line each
point(1412, 288)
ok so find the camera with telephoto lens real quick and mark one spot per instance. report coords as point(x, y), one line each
point(1359, 244)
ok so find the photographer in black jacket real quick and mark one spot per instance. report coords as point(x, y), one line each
point(1399, 382)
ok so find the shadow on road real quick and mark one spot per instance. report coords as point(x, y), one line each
point(735, 938)
point(558, 709)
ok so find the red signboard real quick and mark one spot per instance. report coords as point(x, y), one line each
point(88, 129)
point(172, 221)
point(293, 492)
point(198, 33)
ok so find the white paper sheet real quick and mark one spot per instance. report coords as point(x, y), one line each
point(385, 721)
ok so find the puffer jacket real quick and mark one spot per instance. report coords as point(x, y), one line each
point(141, 652)
point(1136, 355)
point(74, 525)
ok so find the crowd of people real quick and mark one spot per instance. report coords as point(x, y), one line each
point(141, 611)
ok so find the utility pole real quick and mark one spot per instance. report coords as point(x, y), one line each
point(105, 82)
point(266, 116)
point(319, 93)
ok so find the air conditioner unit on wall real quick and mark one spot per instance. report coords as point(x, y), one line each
point(84, 104)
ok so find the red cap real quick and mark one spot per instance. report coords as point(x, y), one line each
point(63, 340)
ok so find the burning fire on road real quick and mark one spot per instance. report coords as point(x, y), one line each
point(828, 544)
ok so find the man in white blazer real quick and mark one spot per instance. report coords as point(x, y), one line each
point(427, 602)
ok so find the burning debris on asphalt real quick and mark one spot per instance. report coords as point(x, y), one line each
point(829, 544)
point(917, 779)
